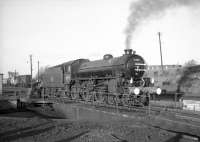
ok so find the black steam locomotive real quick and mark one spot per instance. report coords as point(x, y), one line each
point(112, 80)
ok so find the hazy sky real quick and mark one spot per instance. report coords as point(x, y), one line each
point(56, 31)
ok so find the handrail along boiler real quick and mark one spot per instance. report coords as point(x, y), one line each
point(112, 80)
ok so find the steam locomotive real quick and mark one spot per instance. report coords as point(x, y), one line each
point(112, 80)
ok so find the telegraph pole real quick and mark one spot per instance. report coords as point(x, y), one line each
point(31, 69)
point(160, 50)
point(38, 70)
point(15, 76)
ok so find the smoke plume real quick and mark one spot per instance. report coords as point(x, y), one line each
point(143, 9)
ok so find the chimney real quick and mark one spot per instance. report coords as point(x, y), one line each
point(129, 51)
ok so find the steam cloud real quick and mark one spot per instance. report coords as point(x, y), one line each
point(143, 9)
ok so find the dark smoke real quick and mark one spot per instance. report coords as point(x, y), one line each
point(144, 9)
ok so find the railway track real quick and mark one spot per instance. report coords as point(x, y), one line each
point(174, 113)
point(178, 113)
point(171, 120)
point(163, 119)
point(176, 120)
point(154, 114)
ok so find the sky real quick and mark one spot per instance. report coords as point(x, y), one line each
point(56, 31)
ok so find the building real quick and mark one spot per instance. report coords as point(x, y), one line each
point(165, 67)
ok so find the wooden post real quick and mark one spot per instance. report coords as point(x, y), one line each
point(149, 108)
point(175, 99)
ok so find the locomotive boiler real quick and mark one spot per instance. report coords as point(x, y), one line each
point(111, 80)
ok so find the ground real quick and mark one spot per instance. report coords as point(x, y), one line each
point(26, 126)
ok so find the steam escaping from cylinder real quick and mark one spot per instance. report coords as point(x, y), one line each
point(144, 9)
